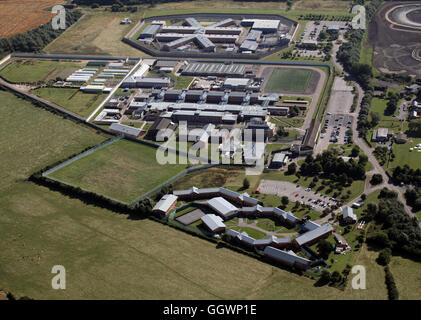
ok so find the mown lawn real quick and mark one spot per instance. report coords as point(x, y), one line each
point(72, 99)
point(288, 80)
point(123, 170)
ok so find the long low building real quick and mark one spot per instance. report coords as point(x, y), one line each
point(139, 82)
point(288, 258)
point(214, 69)
point(261, 211)
point(242, 199)
point(125, 130)
point(244, 239)
point(313, 236)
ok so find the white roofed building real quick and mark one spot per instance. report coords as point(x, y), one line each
point(224, 208)
point(165, 205)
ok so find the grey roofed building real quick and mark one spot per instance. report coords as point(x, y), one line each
point(380, 134)
point(232, 233)
point(150, 31)
point(287, 257)
point(165, 204)
point(246, 239)
point(222, 23)
point(310, 225)
point(254, 35)
point(249, 45)
point(193, 22)
point(166, 63)
point(213, 222)
point(348, 214)
point(313, 235)
point(223, 207)
point(125, 130)
point(310, 136)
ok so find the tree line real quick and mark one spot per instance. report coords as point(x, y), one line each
point(35, 40)
point(335, 168)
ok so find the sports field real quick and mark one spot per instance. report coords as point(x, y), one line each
point(72, 99)
point(32, 71)
point(288, 80)
point(124, 171)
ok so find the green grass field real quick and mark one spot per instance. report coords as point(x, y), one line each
point(32, 71)
point(124, 171)
point(288, 80)
point(404, 156)
point(72, 99)
point(31, 138)
point(407, 274)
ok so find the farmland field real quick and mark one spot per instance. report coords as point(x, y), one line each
point(30, 71)
point(407, 275)
point(18, 16)
point(289, 80)
point(124, 170)
point(72, 99)
point(31, 138)
point(96, 33)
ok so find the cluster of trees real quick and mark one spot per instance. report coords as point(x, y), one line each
point(349, 52)
point(381, 154)
point(333, 167)
point(363, 123)
point(392, 290)
point(376, 179)
point(392, 103)
point(35, 40)
point(414, 127)
point(406, 175)
point(413, 197)
point(399, 232)
point(164, 190)
point(294, 111)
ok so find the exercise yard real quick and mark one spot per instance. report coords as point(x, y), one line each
point(123, 170)
point(288, 80)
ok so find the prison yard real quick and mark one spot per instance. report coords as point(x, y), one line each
point(257, 87)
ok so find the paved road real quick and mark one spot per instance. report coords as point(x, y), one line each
point(365, 148)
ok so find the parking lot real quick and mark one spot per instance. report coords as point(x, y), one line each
point(312, 30)
point(334, 129)
point(298, 193)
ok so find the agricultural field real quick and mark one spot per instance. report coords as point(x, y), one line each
point(34, 71)
point(407, 275)
point(32, 138)
point(123, 170)
point(18, 16)
point(288, 80)
point(96, 33)
point(72, 99)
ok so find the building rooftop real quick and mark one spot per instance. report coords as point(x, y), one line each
point(222, 206)
point(165, 203)
point(125, 129)
point(213, 222)
point(313, 234)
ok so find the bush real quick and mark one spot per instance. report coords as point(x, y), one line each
point(376, 179)
point(384, 257)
